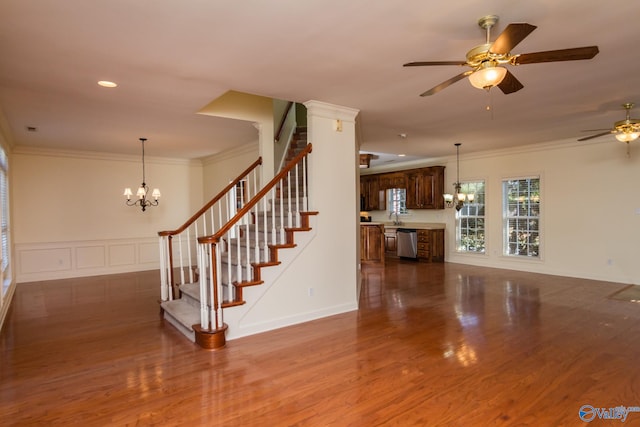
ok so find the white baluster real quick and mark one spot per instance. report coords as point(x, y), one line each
point(273, 216)
point(265, 248)
point(282, 235)
point(247, 239)
point(289, 218)
point(305, 202)
point(180, 256)
point(163, 273)
point(190, 263)
point(297, 193)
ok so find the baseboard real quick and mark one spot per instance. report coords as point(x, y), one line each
point(239, 331)
point(6, 303)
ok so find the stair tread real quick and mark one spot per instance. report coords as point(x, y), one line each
point(183, 312)
point(191, 289)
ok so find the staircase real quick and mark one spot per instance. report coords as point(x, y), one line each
point(234, 237)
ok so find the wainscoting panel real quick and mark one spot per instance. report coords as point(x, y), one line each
point(43, 260)
point(122, 254)
point(62, 260)
point(90, 256)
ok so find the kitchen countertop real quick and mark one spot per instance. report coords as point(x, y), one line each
point(416, 225)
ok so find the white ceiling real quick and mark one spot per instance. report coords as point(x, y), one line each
point(171, 58)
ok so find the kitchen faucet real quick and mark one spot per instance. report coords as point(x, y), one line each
point(397, 220)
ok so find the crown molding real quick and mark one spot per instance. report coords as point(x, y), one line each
point(94, 155)
point(252, 147)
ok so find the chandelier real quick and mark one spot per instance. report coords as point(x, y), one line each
point(143, 190)
point(458, 195)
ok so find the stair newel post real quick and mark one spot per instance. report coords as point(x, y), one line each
point(214, 288)
point(211, 331)
point(204, 277)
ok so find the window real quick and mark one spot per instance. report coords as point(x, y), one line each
point(4, 223)
point(521, 216)
point(397, 201)
point(470, 233)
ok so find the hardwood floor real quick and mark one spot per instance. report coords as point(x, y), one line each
point(432, 345)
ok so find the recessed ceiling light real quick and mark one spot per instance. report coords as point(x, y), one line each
point(106, 83)
point(401, 155)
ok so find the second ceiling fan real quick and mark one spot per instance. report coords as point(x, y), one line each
point(486, 60)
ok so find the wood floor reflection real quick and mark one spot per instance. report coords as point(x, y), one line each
point(432, 345)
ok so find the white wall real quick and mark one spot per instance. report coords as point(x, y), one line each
point(220, 169)
point(590, 207)
point(70, 218)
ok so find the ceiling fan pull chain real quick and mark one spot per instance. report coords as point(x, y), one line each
point(489, 106)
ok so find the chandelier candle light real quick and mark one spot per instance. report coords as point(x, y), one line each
point(142, 201)
point(458, 195)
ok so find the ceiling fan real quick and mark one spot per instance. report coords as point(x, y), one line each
point(486, 59)
point(626, 130)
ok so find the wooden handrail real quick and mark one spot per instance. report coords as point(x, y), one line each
point(215, 238)
point(212, 202)
point(282, 121)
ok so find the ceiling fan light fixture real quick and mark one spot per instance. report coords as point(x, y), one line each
point(627, 136)
point(487, 76)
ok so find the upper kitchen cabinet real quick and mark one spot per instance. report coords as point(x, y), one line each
point(393, 180)
point(425, 187)
point(371, 196)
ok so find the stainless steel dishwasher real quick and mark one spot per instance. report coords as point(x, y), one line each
point(407, 243)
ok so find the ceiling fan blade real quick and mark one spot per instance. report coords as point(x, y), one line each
point(510, 84)
point(596, 135)
point(510, 37)
point(574, 54)
point(423, 63)
point(446, 84)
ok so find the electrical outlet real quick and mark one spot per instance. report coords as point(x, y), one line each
point(310, 292)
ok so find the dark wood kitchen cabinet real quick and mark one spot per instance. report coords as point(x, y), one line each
point(371, 196)
point(430, 245)
point(371, 243)
point(393, 180)
point(425, 187)
point(391, 241)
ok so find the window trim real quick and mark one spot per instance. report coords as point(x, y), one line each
point(458, 218)
point(541, 226)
